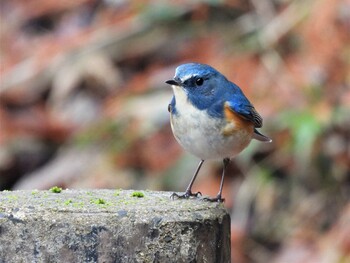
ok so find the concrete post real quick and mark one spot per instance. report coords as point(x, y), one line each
point(111, 226)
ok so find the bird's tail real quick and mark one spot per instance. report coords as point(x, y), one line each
point(260, 137)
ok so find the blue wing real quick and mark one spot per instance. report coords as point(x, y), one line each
point(247, 111)
point(242, 106)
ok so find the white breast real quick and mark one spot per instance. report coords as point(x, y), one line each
point(200, 134)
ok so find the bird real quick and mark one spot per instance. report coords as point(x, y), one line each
point(210, 118)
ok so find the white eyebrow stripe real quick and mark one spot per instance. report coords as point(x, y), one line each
point(186, 77)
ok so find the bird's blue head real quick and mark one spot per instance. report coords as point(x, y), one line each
point(202, 84)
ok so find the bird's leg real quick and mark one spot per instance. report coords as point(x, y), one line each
point(219, 198)
point(188, 193)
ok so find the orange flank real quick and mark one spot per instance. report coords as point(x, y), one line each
point(235, 122)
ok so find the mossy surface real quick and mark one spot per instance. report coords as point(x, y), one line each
point(137, 194)
point(99, 200)
point(56, 189)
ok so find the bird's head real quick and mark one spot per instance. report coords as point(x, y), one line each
point(200, 83)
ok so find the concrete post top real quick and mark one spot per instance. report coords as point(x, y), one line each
point(103, 201)
point(111, 226)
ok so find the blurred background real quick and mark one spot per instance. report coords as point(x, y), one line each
point(83, 104)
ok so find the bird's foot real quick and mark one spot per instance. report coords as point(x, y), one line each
point(186, 195)
point(218, 199)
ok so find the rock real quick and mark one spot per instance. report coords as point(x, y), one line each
point(111, 226)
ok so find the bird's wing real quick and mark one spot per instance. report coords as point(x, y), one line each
point(246, 110)
point(249, 113)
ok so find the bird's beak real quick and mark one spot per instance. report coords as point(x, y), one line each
point(172, 82)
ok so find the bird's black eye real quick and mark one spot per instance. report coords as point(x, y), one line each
point(199, 81)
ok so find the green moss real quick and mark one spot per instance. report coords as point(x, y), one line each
point(12, 197)
point(34, 192)
point(79, 204)
point(137, 194)
point(56, 189)
point(98, 201)
point(68, 202)
point(117, 192)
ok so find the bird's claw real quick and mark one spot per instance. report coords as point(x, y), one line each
point(186, 195)
point(218, 199)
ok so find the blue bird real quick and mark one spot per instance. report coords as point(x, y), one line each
point(211, 118)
